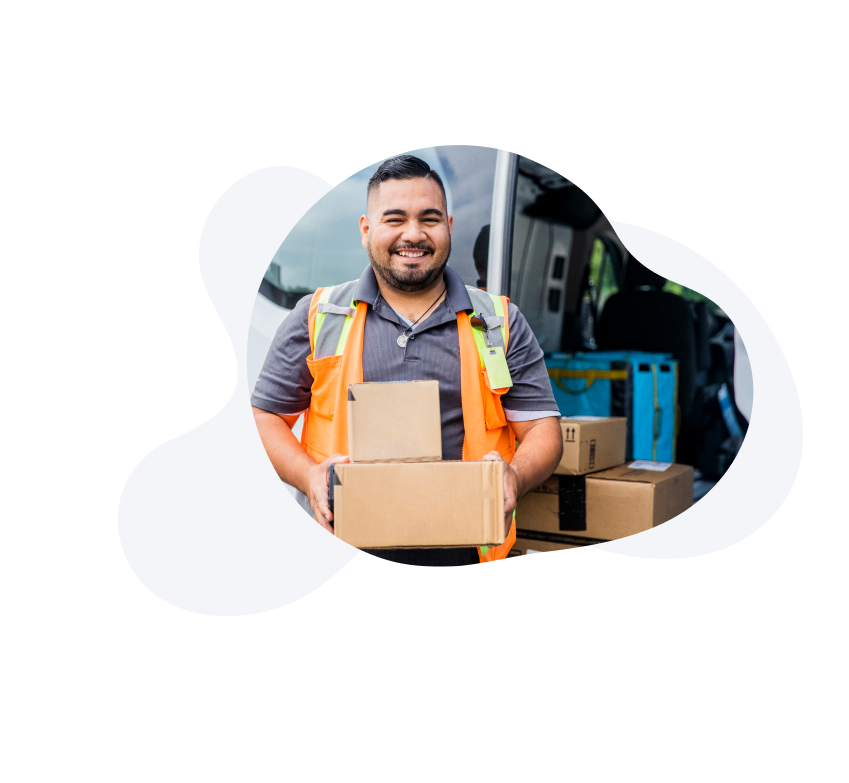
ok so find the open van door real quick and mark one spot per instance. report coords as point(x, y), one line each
point(556, 255)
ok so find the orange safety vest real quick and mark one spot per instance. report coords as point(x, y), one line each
point(337, 362)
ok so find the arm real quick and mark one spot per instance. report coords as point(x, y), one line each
point(284, 385)
point(540, 442)
point(293, 465)
point(539, 452)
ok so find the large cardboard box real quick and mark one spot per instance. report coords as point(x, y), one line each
point(592, 443)
point(419, 504)
point(394, 422)
point(606, 505)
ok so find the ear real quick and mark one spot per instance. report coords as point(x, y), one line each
point(450, 224)
point(364, 230)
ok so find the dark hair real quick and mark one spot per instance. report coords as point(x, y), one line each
point(403, 167)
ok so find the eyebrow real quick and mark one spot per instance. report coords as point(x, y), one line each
point(423, 213)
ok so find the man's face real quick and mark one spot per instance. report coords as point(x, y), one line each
point(407, 233)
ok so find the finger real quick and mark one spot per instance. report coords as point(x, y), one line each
point(322, 503)
point(324, 510)
point(492, 456)
point(332, 460)
point(321, 518)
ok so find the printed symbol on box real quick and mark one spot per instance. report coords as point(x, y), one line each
point(570, 434)
point(592, 454)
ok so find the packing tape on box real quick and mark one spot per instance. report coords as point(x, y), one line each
point(572, 501)
point(572, 509)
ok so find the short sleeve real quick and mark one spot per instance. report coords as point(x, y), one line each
point(531, 390)
point(285, 382)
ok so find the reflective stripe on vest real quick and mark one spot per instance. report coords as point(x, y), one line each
point(338, 303)
point(489, 309)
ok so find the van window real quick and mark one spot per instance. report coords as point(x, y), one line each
point(602, 281)
point(324, 247)
point(602, 273)
point(469, 177)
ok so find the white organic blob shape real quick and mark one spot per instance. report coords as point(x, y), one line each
point(763, 472)
point(206, 524)
point(204, 521)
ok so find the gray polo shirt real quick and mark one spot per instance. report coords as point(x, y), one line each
point(433, 353)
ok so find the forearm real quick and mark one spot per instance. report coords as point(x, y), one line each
point(538, 454)
point(292, 464)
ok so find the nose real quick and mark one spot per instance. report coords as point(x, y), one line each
point(413, 232)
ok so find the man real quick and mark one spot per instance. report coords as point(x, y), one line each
point(408, 318)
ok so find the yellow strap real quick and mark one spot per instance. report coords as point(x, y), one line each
point(319, 320)
point(655, 433)
point(677, 416)
point(340, 346)
point(319, 317)
point(589, 376)
point(478, 335)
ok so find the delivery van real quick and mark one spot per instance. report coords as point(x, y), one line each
point(525, 231)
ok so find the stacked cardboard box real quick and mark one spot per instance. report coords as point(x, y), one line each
point(592, 443)
point(593, 497)
point(397, 491)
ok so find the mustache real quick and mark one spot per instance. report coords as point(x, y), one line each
point(426, 246)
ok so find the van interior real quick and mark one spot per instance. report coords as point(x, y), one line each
point(581, 291)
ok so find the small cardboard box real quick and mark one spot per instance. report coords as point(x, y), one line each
point(419, 504)
point(592, 443)
point(607, 505)
point(394, 422)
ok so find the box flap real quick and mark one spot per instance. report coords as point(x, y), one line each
point(627, 473)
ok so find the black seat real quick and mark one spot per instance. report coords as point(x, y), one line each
point(642, 317)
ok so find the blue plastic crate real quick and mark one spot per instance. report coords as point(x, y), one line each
point(641, 386)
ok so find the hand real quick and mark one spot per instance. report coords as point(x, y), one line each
point(318, 494)
point(511, 489)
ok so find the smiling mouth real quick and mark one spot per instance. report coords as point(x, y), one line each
point(411, 253)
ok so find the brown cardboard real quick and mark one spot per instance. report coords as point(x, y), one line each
point(592, 443)
point(394, 422)
point(616, 503)
point(419, 504)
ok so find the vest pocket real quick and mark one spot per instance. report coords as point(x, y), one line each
point(493, 412)
point(325, 373)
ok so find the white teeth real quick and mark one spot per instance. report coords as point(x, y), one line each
point(410, 255)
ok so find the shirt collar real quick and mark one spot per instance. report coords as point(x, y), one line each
point(458, 297)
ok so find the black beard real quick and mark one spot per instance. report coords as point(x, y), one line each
point(414, 281)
